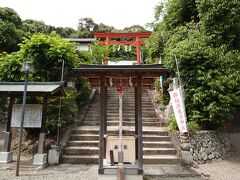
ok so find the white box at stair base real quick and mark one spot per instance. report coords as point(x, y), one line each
point(129, 151)
point(179, 109)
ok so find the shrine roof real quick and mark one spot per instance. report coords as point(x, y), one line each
point(147, 73)
point(33, 88)
point(152, 70)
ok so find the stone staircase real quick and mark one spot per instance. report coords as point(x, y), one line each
point(83, 144)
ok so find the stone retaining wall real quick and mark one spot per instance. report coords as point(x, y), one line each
point(209, 145)
point(203, 146)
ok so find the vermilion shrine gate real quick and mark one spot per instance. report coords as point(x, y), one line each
point(103, 77)
point(135, 39)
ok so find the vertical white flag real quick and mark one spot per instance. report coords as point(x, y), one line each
point(179, 109)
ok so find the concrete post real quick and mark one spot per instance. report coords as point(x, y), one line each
point(6, 156)
point(41, 157)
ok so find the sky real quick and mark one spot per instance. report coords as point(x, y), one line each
point(66, 13)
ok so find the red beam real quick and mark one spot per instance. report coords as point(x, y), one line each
point(119, 35)
point(120, 42)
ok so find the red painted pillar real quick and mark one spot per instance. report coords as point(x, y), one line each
point(138, 50)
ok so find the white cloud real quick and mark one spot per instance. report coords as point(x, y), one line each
point(65, 13)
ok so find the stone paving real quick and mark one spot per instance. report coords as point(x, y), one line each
point(85, 172)
point(220, 170)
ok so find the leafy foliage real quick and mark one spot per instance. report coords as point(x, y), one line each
point(68, 110)
point(221, 20)
point(10, 67)
point(206, 45)
point(47, 53)
point(8, 15)
point(11, 33)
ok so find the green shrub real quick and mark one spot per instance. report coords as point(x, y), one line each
point(193, 126)
point(172, 123)
point(68, 110)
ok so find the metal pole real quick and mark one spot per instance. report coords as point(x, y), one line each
point(178, 72)
point(22, 122)
point(59, 110)
point(162, 101)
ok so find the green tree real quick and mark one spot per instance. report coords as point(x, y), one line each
point(103, 28)
point(10, 16)
point(85, 27)
point(203, 36)
point(134, 28)
point(10, 37)
point(47, 53)
point(10, 67)
point(34, 26)
point(10, 30)
point(221, 20)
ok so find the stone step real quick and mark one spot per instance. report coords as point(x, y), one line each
point(95, 137)
point(159, 151)
point(80, 159)
point(76, 150)
point(125, 106)
point(89, 117)
point(128, 103)
point(116, 114)
point(126, 98)
point(127, 114)
point(96, 131)
point(84, 143)
point(93, 159)
point(156, 138)
point(162, 144)
point(85, 137)
point(125, 110)
point(127, 119)
point(129, 106)
point(170, 172)
point(146, 144)
point(132, 120)
point(81, 150)
point(161, 159)
point(116, 123)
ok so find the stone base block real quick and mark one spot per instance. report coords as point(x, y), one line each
point(6, 157)
point(54, 156)
point(115, 177)
point(40, 159)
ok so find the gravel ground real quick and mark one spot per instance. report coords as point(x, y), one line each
point(228, 169)
point(221, 170)
point(61, 172)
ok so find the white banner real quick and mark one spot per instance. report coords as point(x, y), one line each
point(179, 109)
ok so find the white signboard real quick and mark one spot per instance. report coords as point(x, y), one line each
point(179, 109)
point(32, 117)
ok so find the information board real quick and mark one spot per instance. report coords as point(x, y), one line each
point(32, 117)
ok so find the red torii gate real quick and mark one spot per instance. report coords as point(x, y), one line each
point(108, 36)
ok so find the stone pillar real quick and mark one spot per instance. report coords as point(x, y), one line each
point(6, 155)
point(41, 157)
